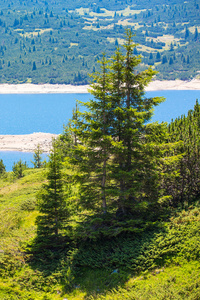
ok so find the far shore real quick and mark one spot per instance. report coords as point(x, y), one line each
point(28, 88)
point(27, 142)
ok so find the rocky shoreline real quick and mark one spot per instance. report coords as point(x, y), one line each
point(28, 88)
point(27, 142)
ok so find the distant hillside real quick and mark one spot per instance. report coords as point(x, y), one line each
point(60, 42)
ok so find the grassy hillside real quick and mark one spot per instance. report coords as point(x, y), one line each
point(159, 263)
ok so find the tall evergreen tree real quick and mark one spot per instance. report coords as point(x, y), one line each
point(92, 129)
point(187, 33)
point(2, 167)
point(34, 66)
point(112, 130)
point(37, 157)
point(51, 202)
point(196, 34)
point(135, 110)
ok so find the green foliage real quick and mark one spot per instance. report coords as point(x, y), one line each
point(2, 168)
point(18, 168)
point(51, 203)
point(160, 260)
point(34, 66)
point(92, 129)
point(28, 204)
point(166, 283)
point(108, 159)
point(118, 159)
point(186, 129)
point(11, 220)
point(171, 242)
point(38, 157)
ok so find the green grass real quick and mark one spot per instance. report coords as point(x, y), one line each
point(160, 263)
point(175, 282)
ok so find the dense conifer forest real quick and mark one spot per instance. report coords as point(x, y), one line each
point(60, 42)
point(115, 212)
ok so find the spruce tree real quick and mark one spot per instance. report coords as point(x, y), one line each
point(37, 157)
point(51, 203)
point(18, 168)
point(196, 34)
point(92, 129)
point(133, 111)
point(34, 66)
point(2, 167)
point(111, 132)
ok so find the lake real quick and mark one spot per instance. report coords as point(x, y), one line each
point(24, 114)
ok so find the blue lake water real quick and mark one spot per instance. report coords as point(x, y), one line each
point(24, 114)
point(9, 157)
point(177, 103)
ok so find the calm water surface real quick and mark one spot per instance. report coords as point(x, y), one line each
point(177, 103)
point(9, 157)
point(24, 114)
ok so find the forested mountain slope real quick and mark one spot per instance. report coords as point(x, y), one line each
point(60, 42)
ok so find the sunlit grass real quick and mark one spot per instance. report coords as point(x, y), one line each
point(167, 39)
point(193, 28)
point(91, 27)
point(108, 13)
point(112, 40)
point(73, 45)
point(128, 22)
point(33, 33)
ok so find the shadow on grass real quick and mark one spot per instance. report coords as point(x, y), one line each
point(93, 259)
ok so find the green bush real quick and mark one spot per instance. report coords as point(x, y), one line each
point(28, 204)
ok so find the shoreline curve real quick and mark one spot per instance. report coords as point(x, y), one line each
point(29, 88)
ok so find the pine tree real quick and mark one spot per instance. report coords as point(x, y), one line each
point(134, 110)
point(18, 168)
point(164, 59)
point(2, 167)
point(196, 34)
point(187, 33)
point(34, 66)
point(51, 203)
point(158, 56)
point(171, 61)
point(111, 133)
point(92, 129)
point(37, 157)
point(171, 47)
point(151, 55)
